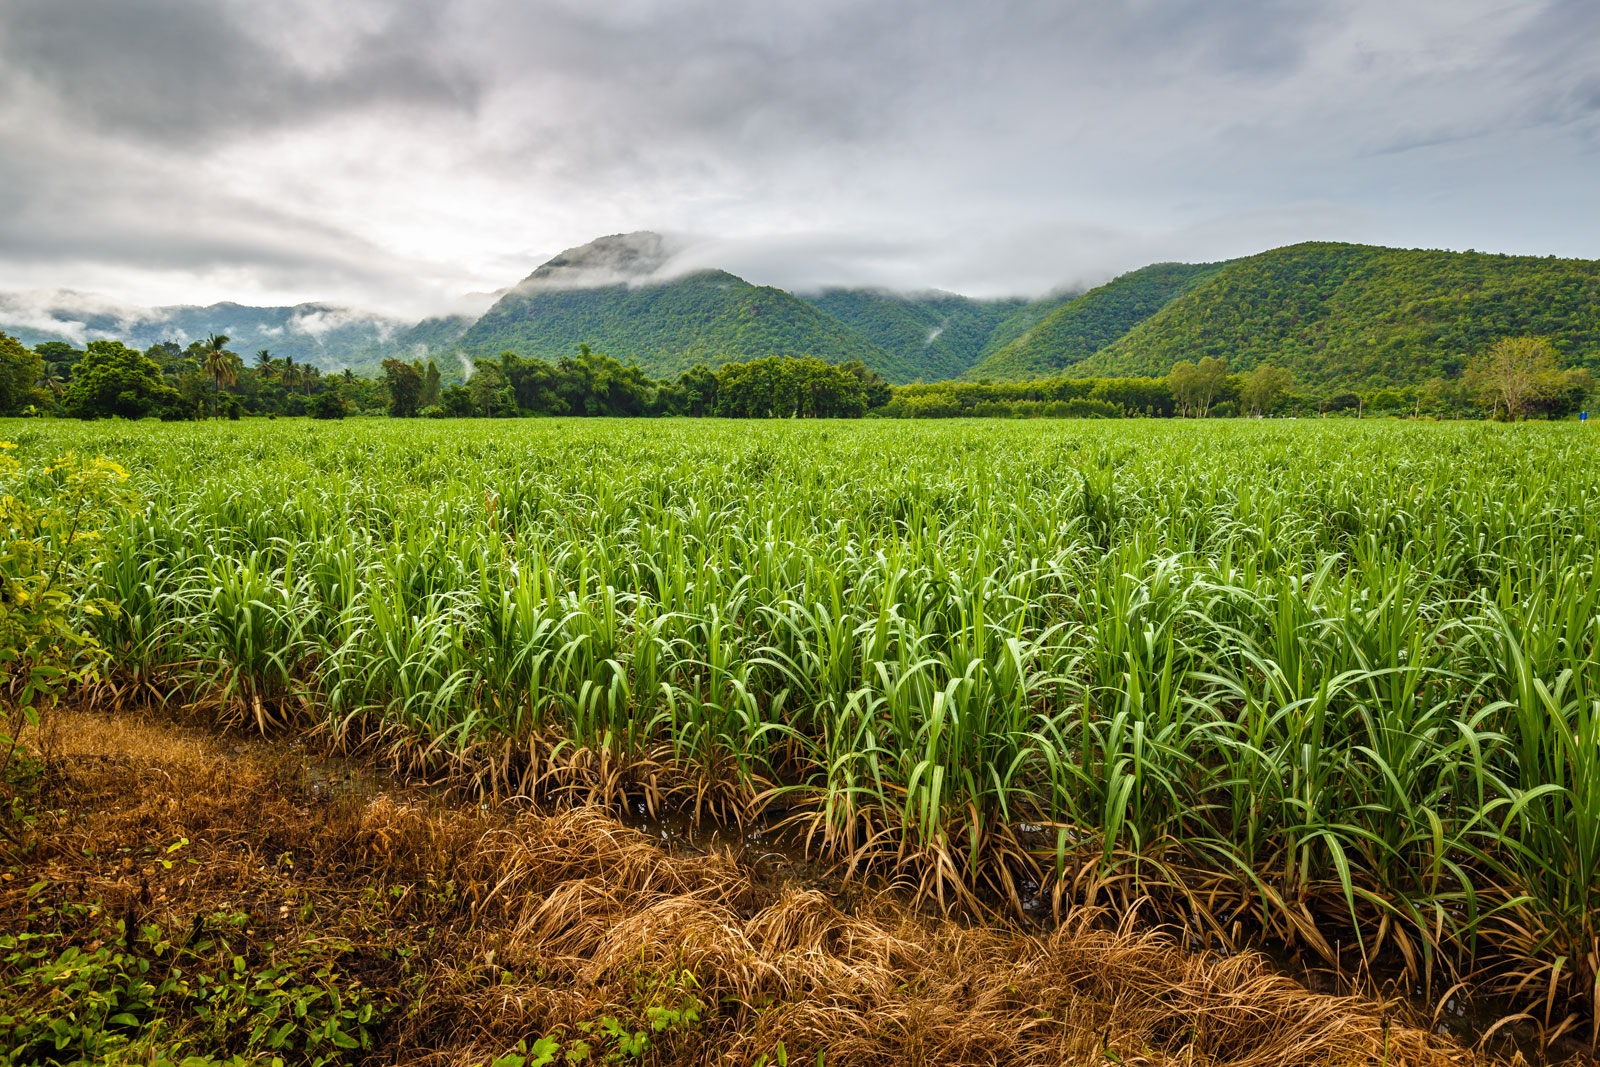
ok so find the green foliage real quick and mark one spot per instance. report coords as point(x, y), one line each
point(1046, 397)
point(1327, 313)
point(938, 335)
point(20, 372)
point(1197, 386)
point(1333, 315)
point(49, 528)
point(58, 354)
point(1020, 321)
point(591, 383)
point(206, 378)
point(1264, 386)
point(51, 518)
point(328, 405)
point(311, 333)
point(1520, 373)
point(491, 395)
point(1085, 325)
point(219, 364)
point(431, 386)
point(710, 317)
point(804, 388)
point(81, 987)
point(1341, 673)
point(404, 383)
point(695, 392)
point(1355, 314)
point(113, 379)
point(456, 402)
point(663, 1008)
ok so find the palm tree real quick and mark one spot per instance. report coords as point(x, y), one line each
point(349, 375)
point(265, 364)
point(289, 375)
point(51, 379)
point(219, 363)
point(308, 376)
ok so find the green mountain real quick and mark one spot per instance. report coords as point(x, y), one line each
point(1061, 337)
point(611, 294)
point(1358, 314)
point(1025, 318)
point(1333, 314)
point(940, 334)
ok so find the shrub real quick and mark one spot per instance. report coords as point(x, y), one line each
point(329, 405)
point(48, 524)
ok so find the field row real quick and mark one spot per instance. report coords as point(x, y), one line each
point(1333, 683)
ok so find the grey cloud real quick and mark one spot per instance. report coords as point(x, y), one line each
point(863, 74)
point(184, 71)
point(145, 221)
point(404, 152)
point(1000, 260)
point(130, 215)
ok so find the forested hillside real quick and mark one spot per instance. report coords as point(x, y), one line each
point(709, 317)
point(939, 334)
point(1026, 318)
point(1335, 315)
point(1077, 329)
point(1357, 314)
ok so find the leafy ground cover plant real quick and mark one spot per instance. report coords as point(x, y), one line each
point(50, 520)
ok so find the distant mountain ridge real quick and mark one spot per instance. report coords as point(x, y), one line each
point(327, 335)
point(1331, 313)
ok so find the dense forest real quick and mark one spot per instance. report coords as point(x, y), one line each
point(1078, 329)
point(939, 334)
point(1518, 377)
point(208, 380)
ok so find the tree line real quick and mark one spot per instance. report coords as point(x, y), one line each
point(591, 383)
point(1516, 377)
point(208, 380)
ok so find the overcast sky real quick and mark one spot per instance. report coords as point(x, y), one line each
point(393, 153)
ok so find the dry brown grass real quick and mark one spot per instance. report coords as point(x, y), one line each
point(529, 924)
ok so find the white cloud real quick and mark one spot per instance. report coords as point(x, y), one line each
point(319, 321)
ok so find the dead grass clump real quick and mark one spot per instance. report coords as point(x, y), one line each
point(487, 926)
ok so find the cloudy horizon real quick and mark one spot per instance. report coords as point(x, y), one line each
point(396, 155)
